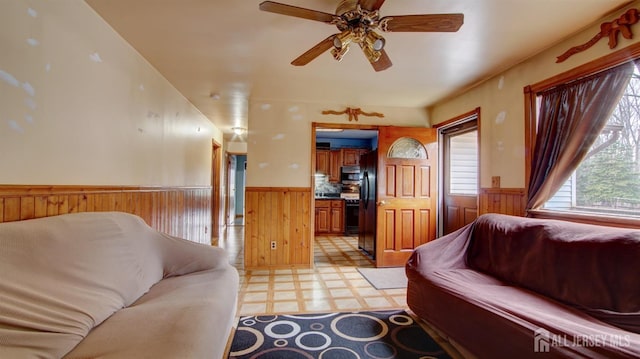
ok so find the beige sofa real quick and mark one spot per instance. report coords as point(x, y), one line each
point(107, 285)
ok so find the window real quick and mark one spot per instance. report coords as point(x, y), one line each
point(608, 180)
point(406, 147)
point(463, 167)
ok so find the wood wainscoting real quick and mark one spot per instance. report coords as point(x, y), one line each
point(279, 217)
point(183, 212)
point(503, 200)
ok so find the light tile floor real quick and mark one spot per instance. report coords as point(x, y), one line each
point(333, 285)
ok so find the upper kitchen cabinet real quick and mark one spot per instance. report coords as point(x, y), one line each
point(335, 162)
point(322, 161)
point(328, 162)
point(351, 156)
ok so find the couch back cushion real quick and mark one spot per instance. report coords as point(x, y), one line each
point(587, 266)
point(63, 275)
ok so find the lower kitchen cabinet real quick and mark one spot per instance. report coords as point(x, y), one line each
point(329, 216)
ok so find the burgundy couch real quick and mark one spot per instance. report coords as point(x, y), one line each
point(513, 287)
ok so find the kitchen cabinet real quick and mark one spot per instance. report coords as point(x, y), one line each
point(322, 161)
point(351, 156)
point(328, 162)
point(337, 217)
point(335, 162)
point(329, 216)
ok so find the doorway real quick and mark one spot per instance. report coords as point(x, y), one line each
point(236, 179)
point(406, 206)
point(216, 165)
point(460, 173)
point(336, 152)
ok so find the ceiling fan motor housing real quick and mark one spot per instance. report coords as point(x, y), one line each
point(346, 6)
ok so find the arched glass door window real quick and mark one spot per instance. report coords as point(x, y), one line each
point(407, 147)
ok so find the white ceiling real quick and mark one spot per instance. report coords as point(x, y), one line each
point(233, 49)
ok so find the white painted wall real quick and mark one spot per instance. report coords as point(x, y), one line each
point(79, 106)
point(501, 99)
point(279, 138)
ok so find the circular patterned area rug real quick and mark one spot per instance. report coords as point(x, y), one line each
point(380, 334)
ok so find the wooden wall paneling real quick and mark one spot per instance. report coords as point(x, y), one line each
point(297, 235)
point(251, 229)
point(40, 206)
point(288, 227)
point(73, 203)
point(270, 226)
point(180, 211)
point(27, 207)
point(12, 209)
point(273, 225)
point(265, 226)
point(262, 223)
point(305, 228)
point(502, 200)
point(281, 215)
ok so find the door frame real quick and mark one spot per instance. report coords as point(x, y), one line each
point(441, 127)
point(229, 185)
point(216, 171)
point(314, 126)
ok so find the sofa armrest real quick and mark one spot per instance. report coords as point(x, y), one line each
point(446, 252)
point(181, 256)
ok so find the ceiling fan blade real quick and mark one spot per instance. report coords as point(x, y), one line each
point(371, 4)
point(314, 52)
point(290, 10)
point(424, 23)
point(383, 62)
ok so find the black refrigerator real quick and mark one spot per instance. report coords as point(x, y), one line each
point(367, 210)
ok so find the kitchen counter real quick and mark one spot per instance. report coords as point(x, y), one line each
point(327, 196)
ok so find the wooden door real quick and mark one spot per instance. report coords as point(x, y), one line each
point(460, 177)
point(406, 192)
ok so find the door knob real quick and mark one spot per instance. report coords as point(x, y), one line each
point(382, 203)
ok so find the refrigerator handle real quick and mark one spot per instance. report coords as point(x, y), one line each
point(366, 189)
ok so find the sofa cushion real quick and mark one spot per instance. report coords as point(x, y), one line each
point(63, 275)
point(187, 316)
point(593, 267)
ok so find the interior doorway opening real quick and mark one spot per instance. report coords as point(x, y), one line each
point(236, 184)
point(336, 153)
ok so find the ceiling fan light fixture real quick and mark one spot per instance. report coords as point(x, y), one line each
point(343, 39)
point(338, 54)
point(371, 54)
point(375, 41)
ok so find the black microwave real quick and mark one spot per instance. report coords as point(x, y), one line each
point(350, 175)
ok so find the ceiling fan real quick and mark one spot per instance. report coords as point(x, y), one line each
point(358, 22)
